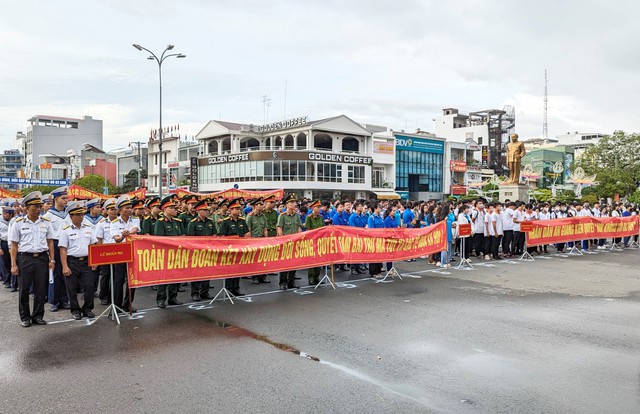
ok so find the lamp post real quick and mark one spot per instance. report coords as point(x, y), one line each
point(159, 61)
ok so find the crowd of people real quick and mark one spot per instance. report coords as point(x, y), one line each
point(44, 239)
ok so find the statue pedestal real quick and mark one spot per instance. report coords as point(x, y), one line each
point(513, 192)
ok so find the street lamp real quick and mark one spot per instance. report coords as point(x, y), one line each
point(160, 60)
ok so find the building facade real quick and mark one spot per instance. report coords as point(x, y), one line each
point(328, 158)
point(175, 162)
point(11, 165)
point(50, 135)
point(553, 165)
point(419, 166)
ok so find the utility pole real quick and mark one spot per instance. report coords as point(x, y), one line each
point(545, 130)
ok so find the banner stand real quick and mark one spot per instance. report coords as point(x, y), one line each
point(112, 308)
point(224, 292)
point(326, 276)
point(575, 250)
point(615, 246)
point(464, 264)
point(391, 272)
point(526, 227)
point(526, 256)
point(634, 243)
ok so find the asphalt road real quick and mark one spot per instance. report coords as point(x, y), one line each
point(557, 335)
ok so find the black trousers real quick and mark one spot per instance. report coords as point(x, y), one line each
point(33, 270)
point(120, 284)
point(520, 242)
point(59, 286)
point(478, 244)
point(165, 292)
point(105, 282)
point(488, 245)
point(200, 288)
point(375, 268)
point(81, 276)
point(506, 242)
point(495, 245)
point(288, 277)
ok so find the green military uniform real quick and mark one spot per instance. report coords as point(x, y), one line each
point(290, 224)
point(257, 225)
point(200, 227)
point(231, 227)
point(165, 227)
point(186, 218)
point(272, 221)
point(311, 223)
point(217, 219)
point(147, 226)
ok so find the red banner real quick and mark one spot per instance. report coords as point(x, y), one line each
point(80, 193)
point(111, 253)
point(233, 193)
point(7, 194)
point(580, 228)
point(161, 260)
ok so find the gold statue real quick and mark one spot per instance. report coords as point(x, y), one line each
point(515, 152)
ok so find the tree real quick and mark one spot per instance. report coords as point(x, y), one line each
point(542, 195)
point(131, 180)
point(44, 189)
point(95, 182)
point(615, 163)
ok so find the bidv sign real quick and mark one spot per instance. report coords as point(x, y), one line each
point(419, 144)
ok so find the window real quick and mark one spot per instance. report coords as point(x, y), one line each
point(355, 174)
point(424, 168)
point(377, 177)
point(329, 172)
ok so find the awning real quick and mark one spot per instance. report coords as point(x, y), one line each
point(388, 195)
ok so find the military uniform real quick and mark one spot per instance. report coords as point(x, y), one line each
point(57, 292)
point(32, 254)
point(257, 223)
point(290, 224)
point(201, 227)
point(74, 244)
point(166, 226)
point(272, 221)
point(313, 222)
point(120, 277)
point(103, 234)
point(231, 227)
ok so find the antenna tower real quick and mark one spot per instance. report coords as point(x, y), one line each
point(545, 126)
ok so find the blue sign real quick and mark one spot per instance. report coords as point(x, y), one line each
point(32, 181)
point(404, 195)
point(419, 144)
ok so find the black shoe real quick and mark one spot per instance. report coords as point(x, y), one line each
point(104, 302)
point(130, 310)
point(236, 292)
point(174, 302)
point(65, 306)
point(283, 286)
point(293, 286)
point(76, 315)
point(206, 296)
point(39, 321)
point(161, 305)
point(195, 298)
point(54, 308)
point(88, 314)
point(256, 281)
point(181, 289)
point(26, 324)
point(13, 290)
point(263, 280)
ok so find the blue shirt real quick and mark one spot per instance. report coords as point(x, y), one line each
point(407, 217)
point(390, 223)
point(358, 221)
point(340, 219)
point(375, 222)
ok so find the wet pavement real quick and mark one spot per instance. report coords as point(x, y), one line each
point(504, 337)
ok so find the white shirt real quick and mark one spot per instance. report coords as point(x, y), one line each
point(544, 216)
point(478, 224)
point(489, 224)
point(31, 236)
point(118, 225)
point(4, 229)
point(495, 217)
point(584, 213)
point(57, 219)
point(87, 219)
point(77, 239)
point(465, 219)
point(507, 219)
point(103, 231)
point(596, 213)
point(518, 215)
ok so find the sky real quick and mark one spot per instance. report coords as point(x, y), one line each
point(392, 63)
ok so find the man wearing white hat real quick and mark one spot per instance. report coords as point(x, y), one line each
point(32, 256)
point(57, 216)
point(125, 225)
point(103, 234)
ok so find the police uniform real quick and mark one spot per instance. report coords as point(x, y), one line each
point(290, 224)
point(234, 227)
point(272, 217)
point(58, 291)
point(120, 277)
point(167, 226)
point(31, 243)
point(74, 245)
point(201, 227)
point(313, 222)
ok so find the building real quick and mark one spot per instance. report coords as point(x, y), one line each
point(579, 141)
point(461, 167)
point(419, 165)
point(327, 158)
point(175, 162)
point(11, 165)
point(133, 157)
point(383, 169)
point(57, 135)
point(553, 165)
point(490, 129)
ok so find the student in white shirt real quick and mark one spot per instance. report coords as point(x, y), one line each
point(498, 231)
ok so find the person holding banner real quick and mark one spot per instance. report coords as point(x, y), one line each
point(257, 223)
point(289, 223)
point(56, 214)
point(74, 242)
point(103, 234)
point(234, 225)
point(498, 231)
point(312, 222)
point(478, 217)
point(464, 218)
point(445, 256)
point(119, 229)
point(91, 219)
point(375, 221)
point(201, 225)
point(32, 257)
point(168, 225)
